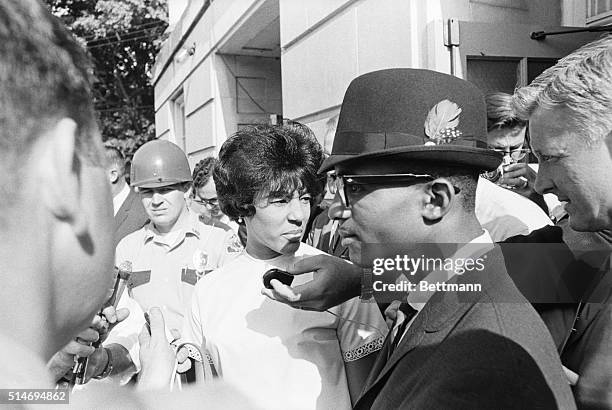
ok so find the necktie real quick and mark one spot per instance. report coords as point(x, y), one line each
point(409, 312)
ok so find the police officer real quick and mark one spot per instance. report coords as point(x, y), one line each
point(174, 250)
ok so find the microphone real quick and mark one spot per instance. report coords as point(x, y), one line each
point(123, 273)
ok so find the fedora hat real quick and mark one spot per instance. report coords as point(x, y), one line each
point(413, 114)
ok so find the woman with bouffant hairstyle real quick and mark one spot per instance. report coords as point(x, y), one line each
point(263, 160)
point(281, 357)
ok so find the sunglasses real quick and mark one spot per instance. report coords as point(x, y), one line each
point(352, 185)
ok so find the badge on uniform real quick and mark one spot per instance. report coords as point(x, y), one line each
point(200, 261)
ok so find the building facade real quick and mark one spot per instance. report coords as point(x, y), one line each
point(230, 63)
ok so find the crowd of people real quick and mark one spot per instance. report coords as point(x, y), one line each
point(151, 294)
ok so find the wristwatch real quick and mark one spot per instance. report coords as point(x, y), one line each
point(109, 366)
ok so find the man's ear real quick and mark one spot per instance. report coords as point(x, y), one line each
point(439, 195)
point(59, 172)
point(113, 175)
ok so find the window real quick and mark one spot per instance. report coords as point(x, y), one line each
point(178, 105)
point(492, 74)
point(598, 12)
point(250, 95)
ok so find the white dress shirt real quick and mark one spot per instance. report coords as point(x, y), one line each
point(120, 198)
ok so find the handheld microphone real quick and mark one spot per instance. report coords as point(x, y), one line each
point(123, 272)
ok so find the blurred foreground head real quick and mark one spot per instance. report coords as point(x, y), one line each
point(56, 227)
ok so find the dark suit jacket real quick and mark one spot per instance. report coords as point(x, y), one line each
point(587, 350)
point(472, 350)
point(130, 217)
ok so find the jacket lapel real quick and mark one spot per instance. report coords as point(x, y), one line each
point(599, 295)
point(437, 319)
point(123, 211)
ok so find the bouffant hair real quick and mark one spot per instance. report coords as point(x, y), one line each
point(265, 161)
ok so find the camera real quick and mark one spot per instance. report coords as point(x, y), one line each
point(494, 175)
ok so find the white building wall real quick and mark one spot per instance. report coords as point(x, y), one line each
point(204, 80)
point(324, 45)
point(327, 43)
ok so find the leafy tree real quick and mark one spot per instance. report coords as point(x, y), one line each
point(123, 37)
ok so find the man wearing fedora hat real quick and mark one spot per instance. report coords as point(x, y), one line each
point(408, 150)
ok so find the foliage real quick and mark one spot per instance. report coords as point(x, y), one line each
point(123, 37)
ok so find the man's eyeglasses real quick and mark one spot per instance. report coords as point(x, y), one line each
point(516, 154)
point(212, 202)
point(351, 185)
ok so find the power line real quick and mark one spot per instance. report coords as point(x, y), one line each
point(126, 36)
point(117, 42)
point(138, 27)
point(115, 109)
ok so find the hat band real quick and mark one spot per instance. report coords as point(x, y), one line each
point(357, 143)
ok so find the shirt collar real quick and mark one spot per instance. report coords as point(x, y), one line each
point(188, 226)
point(120, 198)
point(225, 219)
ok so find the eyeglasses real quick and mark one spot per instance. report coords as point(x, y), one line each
point(516, 154)
point(212, 202)
point(351, 185)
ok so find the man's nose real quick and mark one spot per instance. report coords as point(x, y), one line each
point(543, 184)
point(157, 198)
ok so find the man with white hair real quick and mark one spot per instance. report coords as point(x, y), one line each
point(569, 108)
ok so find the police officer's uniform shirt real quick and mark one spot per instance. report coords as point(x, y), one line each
point(165, 268)
point(280, 357)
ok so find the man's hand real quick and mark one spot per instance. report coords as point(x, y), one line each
point(520, 177)
point(157, 357)
point(109, 319)
point(63, 361)
point(335, 281)
point(391, 313)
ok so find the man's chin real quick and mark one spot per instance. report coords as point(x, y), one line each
point(583, 224)
point(356, 259)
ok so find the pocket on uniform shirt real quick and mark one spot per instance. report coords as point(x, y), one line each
point(139, 278)
point(189, 276)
